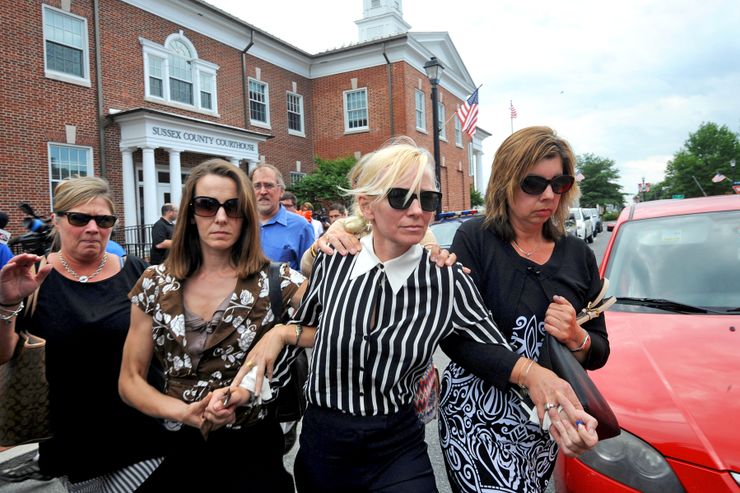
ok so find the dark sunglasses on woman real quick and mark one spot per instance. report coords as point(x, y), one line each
point(208, 207)
point(81, 219)
point(429, 201)
point(535, 185)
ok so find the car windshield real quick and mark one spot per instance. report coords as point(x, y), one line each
point(692, 259)
point(445, 232)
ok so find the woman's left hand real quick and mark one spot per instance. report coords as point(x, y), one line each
point(216, 413)
point(573, 429)
point(560, 322)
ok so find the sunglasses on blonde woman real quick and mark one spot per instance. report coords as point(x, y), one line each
point(535, 185)
point(427, 200)
point(80, 219)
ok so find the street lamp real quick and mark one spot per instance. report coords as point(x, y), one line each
point(434, 69)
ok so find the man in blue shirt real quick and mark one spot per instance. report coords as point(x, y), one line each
point(285, 236)
point(5, 253)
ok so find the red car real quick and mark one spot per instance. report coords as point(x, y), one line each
point(673, 376)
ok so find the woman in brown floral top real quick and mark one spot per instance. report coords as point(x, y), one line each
point(200, 313)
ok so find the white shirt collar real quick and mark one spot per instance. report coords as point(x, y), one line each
point(397, 270)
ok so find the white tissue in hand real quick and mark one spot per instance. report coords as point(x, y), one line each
point(536, 420)
point(249, 382)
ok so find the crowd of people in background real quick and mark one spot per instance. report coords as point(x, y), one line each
point(186, 359)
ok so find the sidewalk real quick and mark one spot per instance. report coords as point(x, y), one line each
point(17, 455)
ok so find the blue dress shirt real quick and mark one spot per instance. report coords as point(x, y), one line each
point(285, 237)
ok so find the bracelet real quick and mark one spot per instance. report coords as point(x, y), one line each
point(298, 332)
point(11, 314)
point(524, 374)
point(583, 344)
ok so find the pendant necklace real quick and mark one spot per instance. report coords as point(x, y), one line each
point(526, 254)
point(76, 275)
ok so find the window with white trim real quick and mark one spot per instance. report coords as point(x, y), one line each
point(66, 54)
point(175, 76)
point(259, 103)
point(67, 161)
point(355, 110)
point(441, 120)
point(458, 131)
point(295, 113)
point(296, 177)
point(421, 113)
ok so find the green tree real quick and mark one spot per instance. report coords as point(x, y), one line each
point(599, 187)
point(476, 198)
point(705, 153)
point(324, 185)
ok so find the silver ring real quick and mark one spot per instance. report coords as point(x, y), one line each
point(549, 405)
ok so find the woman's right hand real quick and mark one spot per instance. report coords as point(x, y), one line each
point(195, 412)
point(17, 279)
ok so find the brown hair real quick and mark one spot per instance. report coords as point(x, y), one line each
point(516, 156)
point(185, 256)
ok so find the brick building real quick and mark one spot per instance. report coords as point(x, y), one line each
point(139, 91)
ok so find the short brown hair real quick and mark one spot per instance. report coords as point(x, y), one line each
point(186, 256)
point(516, 156)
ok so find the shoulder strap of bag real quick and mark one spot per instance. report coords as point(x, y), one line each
point(276, 296)
point(596, 307)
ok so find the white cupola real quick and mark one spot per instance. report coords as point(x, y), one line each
point(381, 18)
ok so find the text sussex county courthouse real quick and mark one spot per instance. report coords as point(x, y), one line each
point(140, 91)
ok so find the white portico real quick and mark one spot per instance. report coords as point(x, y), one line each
point(149, 130)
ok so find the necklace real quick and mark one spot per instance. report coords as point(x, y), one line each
point(76, 275)
point(526, 254)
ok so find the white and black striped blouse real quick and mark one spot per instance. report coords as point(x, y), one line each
point(379, 324)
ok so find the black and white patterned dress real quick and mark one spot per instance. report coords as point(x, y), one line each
point(488, 442)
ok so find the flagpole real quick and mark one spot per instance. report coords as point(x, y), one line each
point(511, 115)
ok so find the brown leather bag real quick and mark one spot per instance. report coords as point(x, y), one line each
point(24, 394)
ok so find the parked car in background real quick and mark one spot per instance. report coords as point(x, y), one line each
point(674, 332)
point(446, 224)
point(570, 225)
point(595, 219)
point(584, 226)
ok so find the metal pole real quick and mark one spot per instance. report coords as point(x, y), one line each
point(435, 127)
point(732, 164)
point(697, 184)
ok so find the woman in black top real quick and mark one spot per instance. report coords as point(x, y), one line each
point(83, 312)
point(534, 278)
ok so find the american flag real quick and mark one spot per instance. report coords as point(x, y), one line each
point(580, 177)
point(718, 177)
point(513, 110)
point(468, 113)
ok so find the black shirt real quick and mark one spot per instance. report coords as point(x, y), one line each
point(85, 326)
point(161, 230)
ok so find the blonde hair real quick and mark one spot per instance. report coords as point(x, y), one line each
point(516, 156)
point(185, 255)
point(377, 172)
point(72, 192)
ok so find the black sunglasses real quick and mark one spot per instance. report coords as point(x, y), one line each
point(429, 201)
point(535, 185)
point(82, 219)
point(208, 207)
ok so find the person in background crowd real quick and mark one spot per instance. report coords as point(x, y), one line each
point(83, 311)
point(284, 236)
point(318, 228)
point(5, 253)
point(162, 234)
point(336, 211)
point(534, 279)
point(199, 313)
point(360, 431)
point(289, 201)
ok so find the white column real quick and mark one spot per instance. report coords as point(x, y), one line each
point(129, 187)
point(480, 177)
point(175, 177)
point(234, 161)
point(151, 214)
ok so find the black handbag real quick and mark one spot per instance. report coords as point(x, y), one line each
point(566, 366)
point(291, 401)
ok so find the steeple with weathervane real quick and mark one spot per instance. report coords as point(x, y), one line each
point(381, 18)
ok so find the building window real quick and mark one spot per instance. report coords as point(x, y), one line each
point(174, 75)
point(296, 177)
point(67, 161)
point(355, 110)
point(441, 120)
point(458, 131)
point(295, 114)
point(259, 103)
point(65, 46)
point(421, 114)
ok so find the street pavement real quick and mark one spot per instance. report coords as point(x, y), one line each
point(14, 455)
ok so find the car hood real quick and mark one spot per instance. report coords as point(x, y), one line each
point(674, 381)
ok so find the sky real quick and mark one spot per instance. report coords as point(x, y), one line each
point(627, 80)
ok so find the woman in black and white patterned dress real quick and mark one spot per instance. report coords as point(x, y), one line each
point(534, 279)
